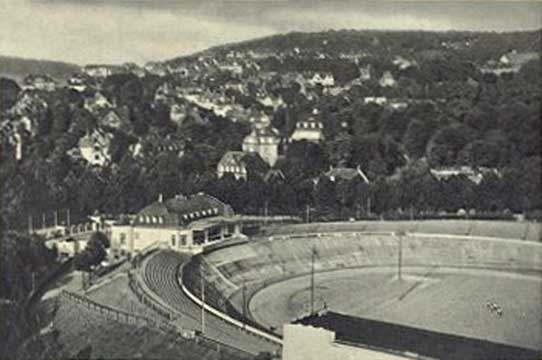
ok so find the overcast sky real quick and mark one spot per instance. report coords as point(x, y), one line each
point(114, 31)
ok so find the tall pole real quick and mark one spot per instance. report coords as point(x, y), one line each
point(244, 299)
point(312, 280)
point(43, 220)
point(68, 217)
point(400, 256)
point(265, 212)
point(30, 227)
point(56, 218)
point(308, 213)
point(202, 302)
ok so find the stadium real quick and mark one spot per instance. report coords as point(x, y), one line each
point(386, 289)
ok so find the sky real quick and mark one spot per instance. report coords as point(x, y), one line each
point(116, 31)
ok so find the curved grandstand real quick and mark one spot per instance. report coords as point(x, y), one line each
point(451, 269)
point(159, 273)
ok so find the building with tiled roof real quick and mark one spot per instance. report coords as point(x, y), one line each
point(39, 82)
point(94, 148)
point(310, 129)
point(241, 165)
point(183, 223)
point(347, 174)
point(264, 141)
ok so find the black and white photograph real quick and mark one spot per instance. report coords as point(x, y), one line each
point(270, 179)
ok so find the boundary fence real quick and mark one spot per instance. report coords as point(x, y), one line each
point(138, 320)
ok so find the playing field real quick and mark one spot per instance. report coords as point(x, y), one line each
point(446, 300)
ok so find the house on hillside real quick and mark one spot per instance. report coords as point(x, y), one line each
point(182, 223)
point(324, 80)
point(97, 102)
point(156, 68)
point(510, 62)
point(177, 113)
point(94, 148)
point(340, 173)
point(387, 80)
point(402, 64)
point(264, 141)
point(98, 71)
point(153, 145)
point(242, 165)
point(39, 82)
point(310, 129)
point(365, 73)
point(115, 118)
point(79, 82)
point(474, 175)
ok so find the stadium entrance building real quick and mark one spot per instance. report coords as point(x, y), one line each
point(181, 223)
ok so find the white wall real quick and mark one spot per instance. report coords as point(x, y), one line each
point(138, 238)
point(309, 343)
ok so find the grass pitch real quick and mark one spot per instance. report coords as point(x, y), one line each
point(446, 300)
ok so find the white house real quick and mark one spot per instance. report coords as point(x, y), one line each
point(264, 141)
point(94, 147)
point(182, 223)
point(310, 129)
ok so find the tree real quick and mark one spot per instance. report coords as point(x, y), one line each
point(93, 254)
point(339, 149)
point(444, 145)
point(9, 91)
point(416, 137)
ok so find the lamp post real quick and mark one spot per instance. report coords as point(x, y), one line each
point(202, 302)
point(312, 279)
point(400, 234)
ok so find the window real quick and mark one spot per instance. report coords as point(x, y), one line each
point(122, 238)
point(154, 220)
point(172, 239)
point(161, 219)
point(182, 240)
point(148, 219)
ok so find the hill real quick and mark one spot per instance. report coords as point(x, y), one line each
point(17, 68)
point(488, 44)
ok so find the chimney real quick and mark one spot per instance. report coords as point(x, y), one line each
point(160, 198)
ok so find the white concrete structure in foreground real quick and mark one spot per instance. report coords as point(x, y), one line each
point(302, 342)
